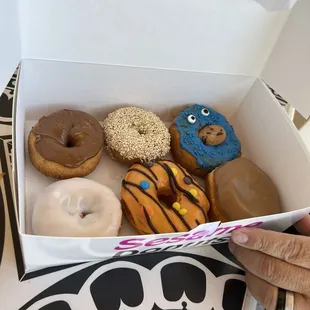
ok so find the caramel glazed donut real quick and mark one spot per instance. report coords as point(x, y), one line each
point(66, 144)
point(202, 139)
point(135, 135)
point(147, 185)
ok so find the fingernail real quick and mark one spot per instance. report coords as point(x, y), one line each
point(240, 238)
point(231, 247)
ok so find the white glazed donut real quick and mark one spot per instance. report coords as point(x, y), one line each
point(76, 208)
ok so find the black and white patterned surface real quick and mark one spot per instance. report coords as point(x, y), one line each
point(201, 278)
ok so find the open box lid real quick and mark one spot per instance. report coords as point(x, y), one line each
point(234, 37)
point(288, 68)
point(10, 50)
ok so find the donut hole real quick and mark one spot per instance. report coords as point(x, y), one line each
point(83, 214)
point(166, 198)
point(74, 141)
point(70, 143)
point(140, 128)
point(80, 205)
point(141, 131)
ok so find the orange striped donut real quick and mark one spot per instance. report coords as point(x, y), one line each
point(162, 197)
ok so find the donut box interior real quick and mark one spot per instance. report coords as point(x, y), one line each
point(103, 56)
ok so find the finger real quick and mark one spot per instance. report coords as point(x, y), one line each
point(273, 270)
point(265, 293)
point(303, 226)
point(289, 248)
point(301, 302)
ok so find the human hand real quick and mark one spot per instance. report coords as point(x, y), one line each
point(275, 260)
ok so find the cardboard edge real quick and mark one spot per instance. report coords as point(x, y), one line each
point(19, 260)
point(14, 162)
point(15, 179)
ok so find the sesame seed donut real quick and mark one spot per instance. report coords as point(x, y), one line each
point(162, 197)
point(135, 135)
point(66, 144)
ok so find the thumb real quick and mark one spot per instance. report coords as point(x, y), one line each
point(303, 226)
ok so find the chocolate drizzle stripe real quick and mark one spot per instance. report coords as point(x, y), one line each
point(187, 194)
point(173, 186)
point(124, 183)
point(182, 219)
point(131, 193)
point(155, 231)
point(197, 222)
point(184, 191)
point(171, 181)
point(188, 175)
point(145, 174)
point(149, 169)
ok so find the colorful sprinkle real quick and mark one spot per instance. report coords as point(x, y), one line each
point(145, 185)
point(183, 211)
point(174, 170)
point(187, 180)
point(193, 192)
point(176, 206)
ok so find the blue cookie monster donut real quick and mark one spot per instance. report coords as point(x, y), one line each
point(190, 123)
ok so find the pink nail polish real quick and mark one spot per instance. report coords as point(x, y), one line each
point(240, 238)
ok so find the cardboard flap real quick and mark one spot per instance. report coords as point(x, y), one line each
point(276, 5)
point(9, 41)
point(288, 68)
point(225, 36)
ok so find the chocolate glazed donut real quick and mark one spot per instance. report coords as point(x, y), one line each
point(66, 144)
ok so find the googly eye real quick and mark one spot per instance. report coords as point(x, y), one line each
point(205, 112)
point(191, 118)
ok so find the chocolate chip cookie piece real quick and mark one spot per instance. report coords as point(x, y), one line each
point(212, 134)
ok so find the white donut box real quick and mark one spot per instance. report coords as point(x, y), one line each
point(99, 55)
